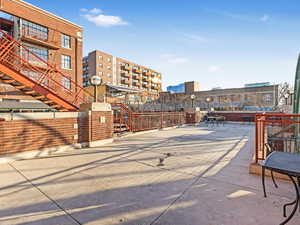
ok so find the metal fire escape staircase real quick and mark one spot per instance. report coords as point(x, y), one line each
point(34, 76)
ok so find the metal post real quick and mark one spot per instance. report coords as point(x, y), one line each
point(95, 94)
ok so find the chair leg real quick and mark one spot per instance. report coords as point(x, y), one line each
point(273, 179)
point(263, 180)
point(296, 202)
point(298, 178)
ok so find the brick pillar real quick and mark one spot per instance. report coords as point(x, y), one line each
point(96, 124)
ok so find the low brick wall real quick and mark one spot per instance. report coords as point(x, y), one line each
point(22, 132)
point(236, 116)
point(27, 135)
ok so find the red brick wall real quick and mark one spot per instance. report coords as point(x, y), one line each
point(100, 130)
point(27, 135)
point(235, 117)
point(83, 131)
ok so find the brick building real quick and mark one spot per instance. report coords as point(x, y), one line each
point(116, 71)
point(245, 98)
point(54, 40)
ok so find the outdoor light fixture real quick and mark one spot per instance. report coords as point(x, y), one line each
point(286, 97)
point(192, 98)
point(208, 100)
point(95, 81)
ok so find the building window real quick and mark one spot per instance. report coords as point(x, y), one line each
point(100, 57)
point(65, 41)
point(108, 67)
point(101, 65)
point(34, 30)
point(66, 82)
point(40, 52)
point(65, 61)
point(100, 73)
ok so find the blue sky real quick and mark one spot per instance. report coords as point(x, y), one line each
point(218, 43)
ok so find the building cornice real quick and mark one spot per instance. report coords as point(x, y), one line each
point(28, 5)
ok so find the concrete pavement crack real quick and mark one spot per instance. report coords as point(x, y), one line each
point(197, 179)
point(47, 196)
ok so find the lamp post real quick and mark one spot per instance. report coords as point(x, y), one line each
point(286, 97)
point(192, 98)
point(95, 81)
point(208, 100)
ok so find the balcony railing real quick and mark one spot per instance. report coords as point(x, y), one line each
point(125, 74)
point(276, 132)
point(147, 73)
point(137, 70)
point(126, 67)
point(38, 37)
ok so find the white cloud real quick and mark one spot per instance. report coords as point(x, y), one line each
point(97, 17)
point(242, 17)
point(213, 69)
point(265, 18)
point(178, 60)
point(95, 11)
point(195, 37)
point(171, 58)
point(167, 56)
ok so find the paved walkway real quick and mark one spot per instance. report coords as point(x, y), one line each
point(204, 180)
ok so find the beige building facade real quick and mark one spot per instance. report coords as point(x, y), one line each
point(120, 72)
point(245, 98)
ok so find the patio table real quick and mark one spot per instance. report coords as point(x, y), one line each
point(288, 164)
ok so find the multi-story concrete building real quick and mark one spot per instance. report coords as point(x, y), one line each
point(119, 72)
point(250, 97)
point(54, 40)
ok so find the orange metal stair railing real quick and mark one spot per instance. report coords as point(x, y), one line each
point(142, 121)
point(34, 76)
point(122, 117)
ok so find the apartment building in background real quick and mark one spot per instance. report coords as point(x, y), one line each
point(55, 40)
point(121, 73)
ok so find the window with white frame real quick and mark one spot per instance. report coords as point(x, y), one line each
point(65, 41)
point(65, 61)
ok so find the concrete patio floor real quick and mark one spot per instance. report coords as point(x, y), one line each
point(204, 181)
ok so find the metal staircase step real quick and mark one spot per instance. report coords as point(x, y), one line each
point(39, 97)
point(47, 102)
point(20, 86)
point(29, 92)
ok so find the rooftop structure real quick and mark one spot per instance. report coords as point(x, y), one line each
point(246, 98)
